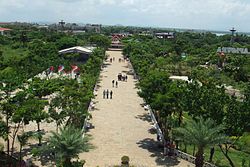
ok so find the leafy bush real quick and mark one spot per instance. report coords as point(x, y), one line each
point(125, 160)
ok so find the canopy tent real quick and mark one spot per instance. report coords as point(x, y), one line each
point(77, 49)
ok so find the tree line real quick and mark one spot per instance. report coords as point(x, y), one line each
point(202, 97)
point(26, 52)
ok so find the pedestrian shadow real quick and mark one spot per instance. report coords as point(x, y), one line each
point(144, 117)
point(154, 147)
point(94, 108)
point(98, 86)
point(104, 65)
point(126, 66)
point(99, 79)
point(128, 72)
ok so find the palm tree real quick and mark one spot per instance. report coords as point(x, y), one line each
point(201, 133)
point(67, 144)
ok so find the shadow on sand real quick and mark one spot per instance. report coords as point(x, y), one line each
point(144, 117)
point(98, 86)
point(157, 152)
point(46, 158)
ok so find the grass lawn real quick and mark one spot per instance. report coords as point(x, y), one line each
point(219, 159)
point(12, 57)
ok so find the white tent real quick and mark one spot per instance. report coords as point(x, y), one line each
point(77, 49)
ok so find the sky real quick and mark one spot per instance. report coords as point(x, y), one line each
point(190, 14)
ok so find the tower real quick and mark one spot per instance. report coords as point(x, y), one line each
point(61, 24)
point(232, 36)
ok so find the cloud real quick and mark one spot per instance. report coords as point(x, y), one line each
point(212, 14)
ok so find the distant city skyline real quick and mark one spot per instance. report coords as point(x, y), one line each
point(219, 15)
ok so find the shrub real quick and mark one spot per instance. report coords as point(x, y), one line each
point(125, 160)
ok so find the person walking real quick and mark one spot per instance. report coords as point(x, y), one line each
point(126, 78)
point(113, 83)
point(111, 93)
point(104, 94)
point(116, 84)
point(107, 93)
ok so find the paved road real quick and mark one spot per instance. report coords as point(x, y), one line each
point(121, 126)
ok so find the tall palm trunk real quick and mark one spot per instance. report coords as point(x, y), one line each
point(199, 159)
point(194, 150)
point(67, 162)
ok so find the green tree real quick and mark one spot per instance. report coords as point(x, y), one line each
point(56, 111)
point(10, 82)
point(66, 42)
point(202, 98)
point(100, 41)
point(201, 133)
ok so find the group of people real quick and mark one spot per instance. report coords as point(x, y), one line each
point(111, 59)
point(114, 83)
point(122, 77)
point(107, 94)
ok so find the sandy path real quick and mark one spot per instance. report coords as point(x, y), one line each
point(121, 126)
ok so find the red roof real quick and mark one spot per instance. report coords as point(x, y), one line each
point(4, 29)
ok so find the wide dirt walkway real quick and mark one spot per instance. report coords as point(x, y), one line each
point(121, 126)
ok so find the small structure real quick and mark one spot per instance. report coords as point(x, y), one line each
point(116, 40)
point(4, 31)
point(61, 24)
point(165, 35)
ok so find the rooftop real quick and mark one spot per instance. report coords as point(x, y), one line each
point(4, 29)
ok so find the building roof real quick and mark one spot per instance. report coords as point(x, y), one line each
point(4, 29)
point(77, 49)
